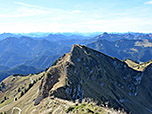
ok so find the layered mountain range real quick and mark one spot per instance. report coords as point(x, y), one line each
point(25, 51)
point(41, 51)
point(119, 36)
point(82, 74)
point(136, 50)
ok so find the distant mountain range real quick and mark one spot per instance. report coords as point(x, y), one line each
point(38, 53)
point(47, 35)
point(118, 36)
point(43, 61)
point(137, 50)
point(42, 49)
point(6, 35)
point(20, 69)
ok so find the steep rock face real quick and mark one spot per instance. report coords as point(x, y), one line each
point(86, 73)
point(145, 89)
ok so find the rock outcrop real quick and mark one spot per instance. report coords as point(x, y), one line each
point(86, 73)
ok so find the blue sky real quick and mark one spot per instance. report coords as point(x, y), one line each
point(75, 16)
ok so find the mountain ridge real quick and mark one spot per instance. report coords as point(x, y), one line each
point(75, 87)
point(85, 73)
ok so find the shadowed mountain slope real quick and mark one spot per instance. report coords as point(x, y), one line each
point(81, 74)
point(86, 73)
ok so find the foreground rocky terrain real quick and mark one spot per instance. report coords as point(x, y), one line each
point(81, 81)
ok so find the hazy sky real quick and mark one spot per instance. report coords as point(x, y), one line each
point(75, 16)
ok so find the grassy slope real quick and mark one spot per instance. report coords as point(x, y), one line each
point(48, 105)
point(136, 66)
point(12, 85)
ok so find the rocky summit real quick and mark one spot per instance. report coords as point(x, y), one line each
point(86, 73)
point(82, 81)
